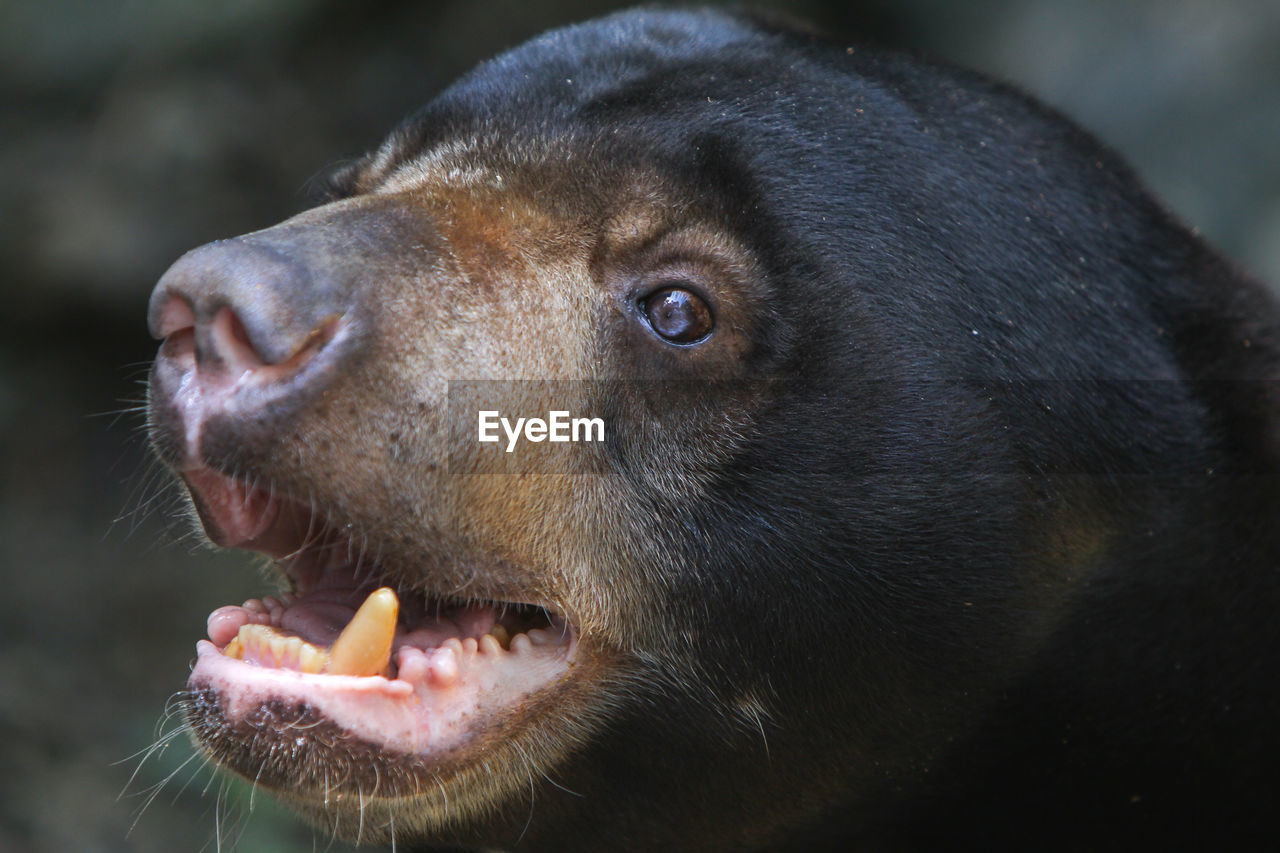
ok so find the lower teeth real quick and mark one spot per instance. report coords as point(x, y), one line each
point(267, 646)
point(362, 649)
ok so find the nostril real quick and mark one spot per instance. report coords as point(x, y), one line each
point(231, 344)
point(220, 344)
point(223, 344)
point(245, 311)
point(175, 315)
point(180, 345)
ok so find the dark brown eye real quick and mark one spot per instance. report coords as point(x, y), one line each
point(678, 315)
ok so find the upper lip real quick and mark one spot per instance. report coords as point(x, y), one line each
point(307, 544)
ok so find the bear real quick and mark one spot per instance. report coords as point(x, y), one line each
point(932, 501)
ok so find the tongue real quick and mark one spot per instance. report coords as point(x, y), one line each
point(320, 616)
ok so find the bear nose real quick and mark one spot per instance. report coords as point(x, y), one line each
point(260, 330)
point(241, 307)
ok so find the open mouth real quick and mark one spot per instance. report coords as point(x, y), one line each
point(391, 665)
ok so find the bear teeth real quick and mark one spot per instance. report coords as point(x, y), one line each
point(364, 647)
point(266, 646)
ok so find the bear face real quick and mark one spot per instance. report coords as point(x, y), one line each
point(926, 436)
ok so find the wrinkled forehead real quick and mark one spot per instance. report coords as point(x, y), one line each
point(532, 196)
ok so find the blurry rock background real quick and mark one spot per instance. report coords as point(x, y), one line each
point(132, 130)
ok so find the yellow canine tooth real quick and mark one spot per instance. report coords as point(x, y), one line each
point(364, 647)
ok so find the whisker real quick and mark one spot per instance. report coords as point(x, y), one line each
point(528, 769)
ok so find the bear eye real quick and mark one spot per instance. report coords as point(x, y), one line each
point(677, 315)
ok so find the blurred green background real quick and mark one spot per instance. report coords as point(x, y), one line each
point(131, 131)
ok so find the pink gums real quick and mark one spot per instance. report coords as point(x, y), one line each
point(448, 680)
